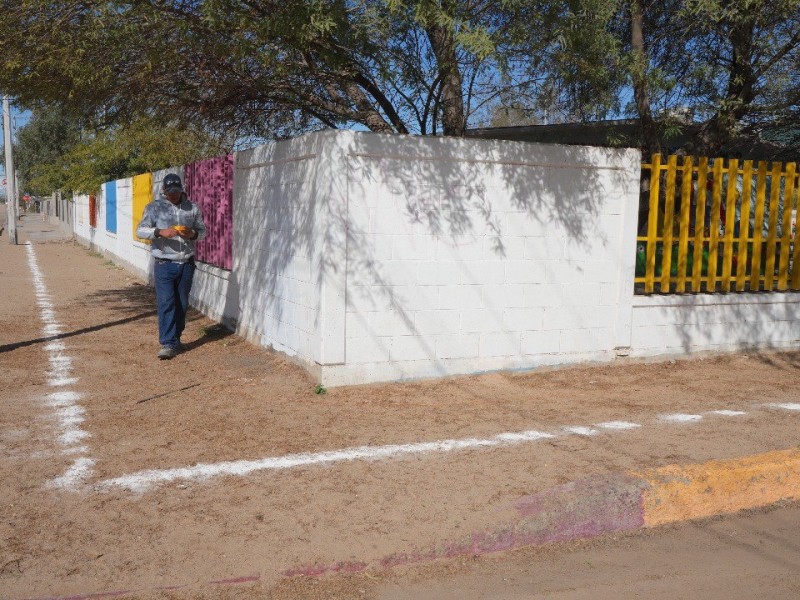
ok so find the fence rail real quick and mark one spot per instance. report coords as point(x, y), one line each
point(719, 227)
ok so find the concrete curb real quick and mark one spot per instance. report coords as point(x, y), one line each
point(615, 502)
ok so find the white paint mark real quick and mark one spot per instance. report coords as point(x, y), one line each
point(618, 425)
point(524, 436)
point(71, 415)
point(63, 398)
point(77, 474)
point(141, 481)
point(59, 370)
point(785, 406)
point(68, 415)
point(727, 413)
point(72, 436)
point(581, 430)
point(682, 418)
point(62, 381)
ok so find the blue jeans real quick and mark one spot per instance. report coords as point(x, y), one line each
point(173, 282)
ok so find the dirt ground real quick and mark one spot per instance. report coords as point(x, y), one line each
point(226, 400)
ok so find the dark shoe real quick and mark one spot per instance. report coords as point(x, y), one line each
point(166, 353)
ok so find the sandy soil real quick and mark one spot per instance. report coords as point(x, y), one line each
point(225, 400)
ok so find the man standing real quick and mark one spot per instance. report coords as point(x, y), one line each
point(174, 224)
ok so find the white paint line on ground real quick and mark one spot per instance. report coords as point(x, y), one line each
point(61, 381)
point(681, 418)
point(77, 474)
point(581, 430)
point(63, 398)
point(141, 481)
point(618, 425)
point(60, 359)
point(69, 416)
point(784, 406)
point(71, 436)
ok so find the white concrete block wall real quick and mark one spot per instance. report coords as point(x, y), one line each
point(286, 252)
point(373, 258)
point(467, 255)
point(696, 323)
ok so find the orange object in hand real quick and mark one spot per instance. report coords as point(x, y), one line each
point(182, 229)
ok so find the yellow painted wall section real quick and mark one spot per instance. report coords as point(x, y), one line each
point(142, 195)
point(679, 493)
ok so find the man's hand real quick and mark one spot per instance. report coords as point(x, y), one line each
point(184, 231)
point(167, 233)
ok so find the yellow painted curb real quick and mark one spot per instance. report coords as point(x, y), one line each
point(679, 493)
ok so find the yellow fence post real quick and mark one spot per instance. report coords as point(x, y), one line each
point(730, 221)
point(758, 227)
point(713, 244)
point(744, 225)
point(796, 253)
point(683, 240)
point(772, 232)
point(786, 233)
point(652, 224)
point(669, 220)
point(700, 224)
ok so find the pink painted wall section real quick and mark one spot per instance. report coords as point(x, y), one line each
point(209, 183)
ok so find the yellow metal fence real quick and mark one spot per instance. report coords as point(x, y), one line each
point(719, 226)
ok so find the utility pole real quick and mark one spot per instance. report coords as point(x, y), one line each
point(11, 193)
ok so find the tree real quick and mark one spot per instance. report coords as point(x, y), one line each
point(749, 60)
point(55, 153)
point(45, 138)
point(265, 67)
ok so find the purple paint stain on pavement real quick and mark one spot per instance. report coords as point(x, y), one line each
point(89, 596)
point(580, 509)
point(584, 508)
point(236, 580)
point(318, 570)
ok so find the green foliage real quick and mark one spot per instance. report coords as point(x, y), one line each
point(320, 389)
point(269, 69)
point(55, 153)
point(263, 68)
point(41, 143)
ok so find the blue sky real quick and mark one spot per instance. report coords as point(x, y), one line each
point(21, 118)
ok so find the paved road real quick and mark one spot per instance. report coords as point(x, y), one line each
point(755, 555)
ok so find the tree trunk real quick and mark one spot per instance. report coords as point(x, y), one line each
point(452, 103)
point(650, 141)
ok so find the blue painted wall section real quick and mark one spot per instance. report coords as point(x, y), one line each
point(111, 206)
